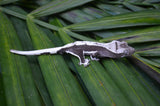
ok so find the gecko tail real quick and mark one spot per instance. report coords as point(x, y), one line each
point(25, 52)
point(36, 52)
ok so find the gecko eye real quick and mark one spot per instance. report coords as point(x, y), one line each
point(124, 45)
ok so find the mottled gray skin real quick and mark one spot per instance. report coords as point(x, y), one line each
point(100, 52)
point(95, 50)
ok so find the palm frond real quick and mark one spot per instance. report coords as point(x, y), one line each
point(26, 43)
point(59, 80)
point(17, 77)
point(57, 6)
point(4, 2)
point(142, 18)
point(139, 36)
point(65, 87)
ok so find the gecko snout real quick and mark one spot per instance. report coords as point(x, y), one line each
point(129, 51)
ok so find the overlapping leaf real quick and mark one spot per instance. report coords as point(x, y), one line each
point(142, 18)
point(113, 10)
point(17, 77)
point(131, 82)
point(65, 89)
point(139, 36)
point(57, 6)
point(27, 45)
point(3, 2)
point(150, 53)
point(152, 65)
point(133, 7)
point(96, 80)
point(22, 16)
point(121, 77)
point(108, 82)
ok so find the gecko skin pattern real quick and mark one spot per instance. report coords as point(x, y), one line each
point(95, 50)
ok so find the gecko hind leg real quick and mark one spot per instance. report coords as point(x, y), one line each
point(85, 63)
point(81, 57)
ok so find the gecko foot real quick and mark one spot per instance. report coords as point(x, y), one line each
point(94, 58)
point(86, 63)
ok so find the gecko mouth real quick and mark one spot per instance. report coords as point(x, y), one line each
point(129, 51)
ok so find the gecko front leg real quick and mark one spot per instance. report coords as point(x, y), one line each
point(94, 58)
point(93, 54)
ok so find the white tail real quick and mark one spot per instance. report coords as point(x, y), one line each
point(37, 52)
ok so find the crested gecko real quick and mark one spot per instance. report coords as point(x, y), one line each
point(96, 50)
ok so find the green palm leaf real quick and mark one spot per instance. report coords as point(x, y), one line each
point(65, 90)
point(27, 45)
point(57, 6)
point(121, 77)
point(18, 81)
point(150, 53)
point(59, 80)
point(139, 36)
point(3, 2)
point(149, 17)
point(97, 81)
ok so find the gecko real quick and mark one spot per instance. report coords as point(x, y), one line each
point(96, 50)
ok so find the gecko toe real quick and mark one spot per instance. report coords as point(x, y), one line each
point(94, 58)
point(86, 63)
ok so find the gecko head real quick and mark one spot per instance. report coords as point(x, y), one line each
point(122, 49)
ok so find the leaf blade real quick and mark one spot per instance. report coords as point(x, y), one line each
point(19, 86)
point(64, 83)
point(99, 84)
point(124, 20)
point(139, 36)
point(57, 6)
point(4, 2)
point(27, 45)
